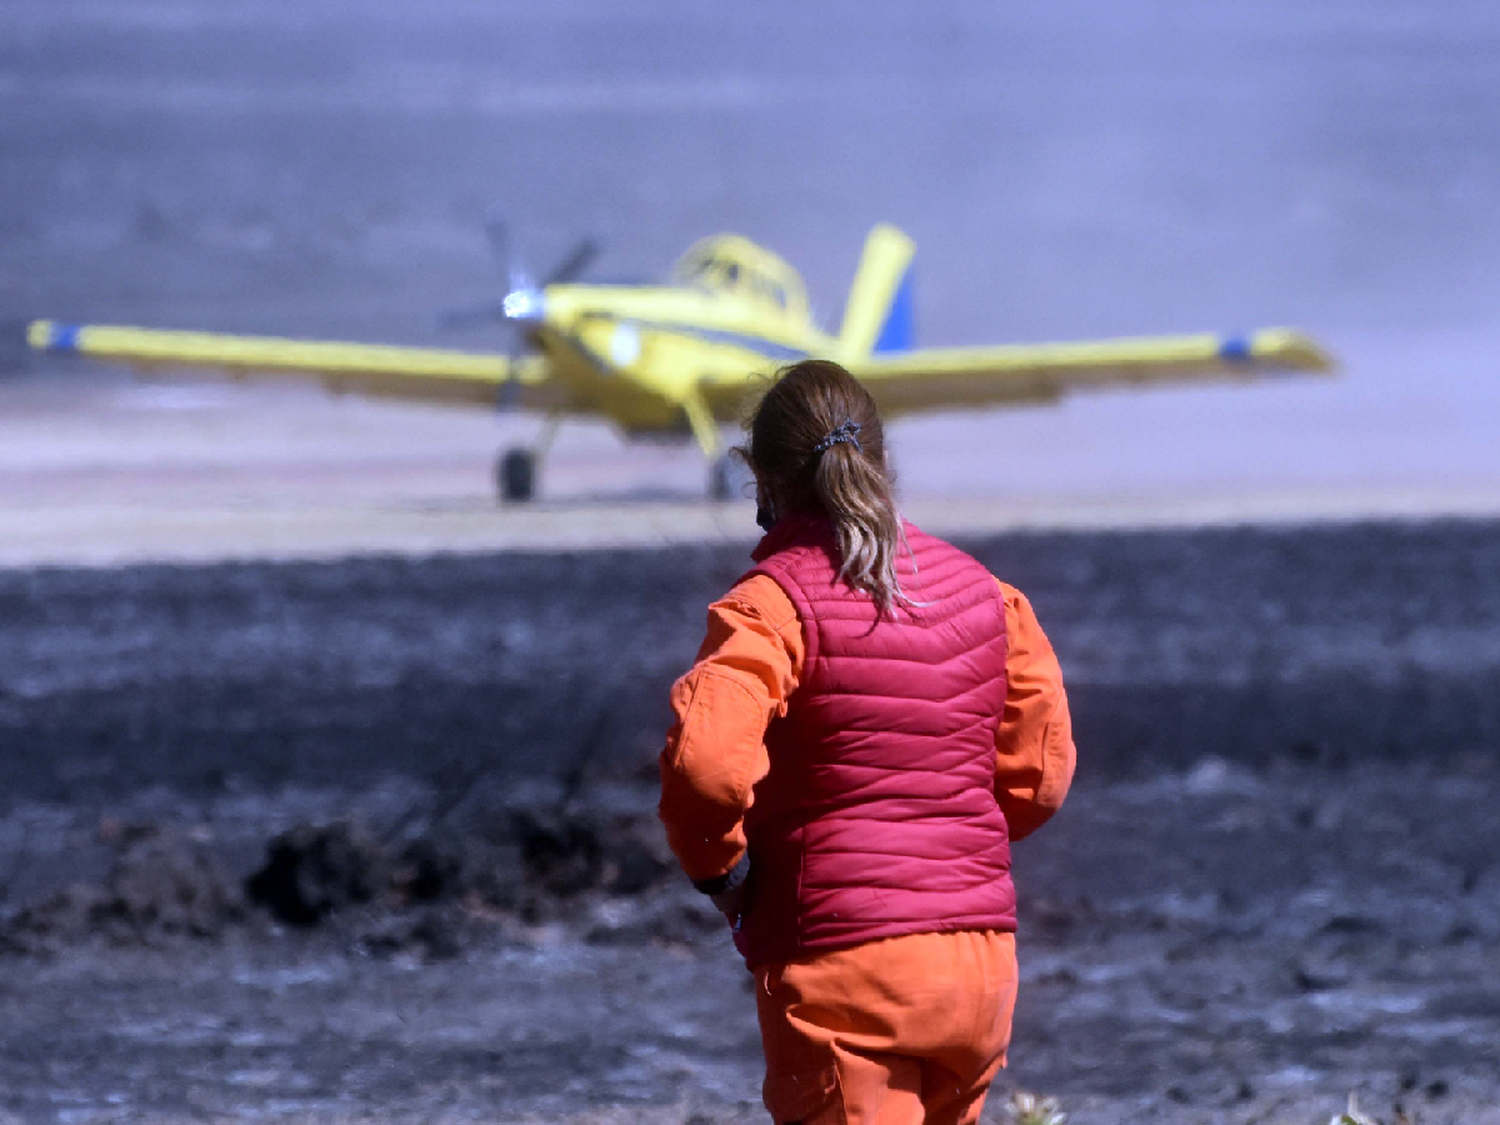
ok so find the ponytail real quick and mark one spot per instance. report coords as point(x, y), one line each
point(857, 497)
point(816, 443)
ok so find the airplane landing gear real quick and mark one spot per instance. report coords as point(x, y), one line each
point(516, 468)
point(515, 475)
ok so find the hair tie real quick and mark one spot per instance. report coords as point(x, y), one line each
point(846, 432)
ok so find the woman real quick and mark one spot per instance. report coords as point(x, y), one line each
point(872, 718)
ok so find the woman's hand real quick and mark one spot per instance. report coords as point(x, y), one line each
point(732, 903)
point(730, 892)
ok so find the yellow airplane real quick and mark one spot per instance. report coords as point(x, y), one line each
point(678, 360)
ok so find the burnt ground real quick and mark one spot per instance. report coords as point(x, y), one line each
point(1276, 880)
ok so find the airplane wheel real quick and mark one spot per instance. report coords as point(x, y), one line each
point(729, 479)
point(515, 474)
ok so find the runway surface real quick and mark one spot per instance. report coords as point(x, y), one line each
point(101, 471)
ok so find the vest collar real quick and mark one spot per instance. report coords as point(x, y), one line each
point(793, 531)
point(807, 528)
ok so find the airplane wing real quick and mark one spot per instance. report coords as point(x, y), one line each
point(420, 373)
point(904, 382)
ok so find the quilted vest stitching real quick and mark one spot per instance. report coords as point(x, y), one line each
point(878, 816)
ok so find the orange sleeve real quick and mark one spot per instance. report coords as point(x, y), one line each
point(748, 667)
point(1034, 753)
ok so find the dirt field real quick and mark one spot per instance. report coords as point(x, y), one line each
point(1276, 881)
point(1224, 945)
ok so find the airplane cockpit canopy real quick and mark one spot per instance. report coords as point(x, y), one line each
point(729, 262)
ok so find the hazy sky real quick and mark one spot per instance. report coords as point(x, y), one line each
point(1070, 167)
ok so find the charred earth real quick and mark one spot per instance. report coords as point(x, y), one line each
point(376, 838)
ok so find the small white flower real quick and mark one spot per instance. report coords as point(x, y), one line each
point(1028, 1109)
point(1352, 1116)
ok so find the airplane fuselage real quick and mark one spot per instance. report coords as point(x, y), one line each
point(636, 353)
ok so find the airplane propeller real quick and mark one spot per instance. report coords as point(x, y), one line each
point(521, 307)
point(572, 267)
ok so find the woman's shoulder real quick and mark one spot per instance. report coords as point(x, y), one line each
point(759, 595)
point(1013, 597)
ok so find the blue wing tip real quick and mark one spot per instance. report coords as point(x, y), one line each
point(51, 336)
point(1234, 349)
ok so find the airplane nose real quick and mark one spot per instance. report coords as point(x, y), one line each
point(526, 305)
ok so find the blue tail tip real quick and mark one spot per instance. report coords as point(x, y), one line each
point(898, 332)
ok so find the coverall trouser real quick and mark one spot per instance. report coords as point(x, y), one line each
point(903, 1031)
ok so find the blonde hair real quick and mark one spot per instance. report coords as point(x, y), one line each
point(816, 444)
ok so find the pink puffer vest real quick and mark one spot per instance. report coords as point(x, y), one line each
point(878, 815)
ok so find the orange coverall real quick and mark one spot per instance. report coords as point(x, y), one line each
point(905, 1029)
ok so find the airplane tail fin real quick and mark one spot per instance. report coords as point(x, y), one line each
point(878, 315)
